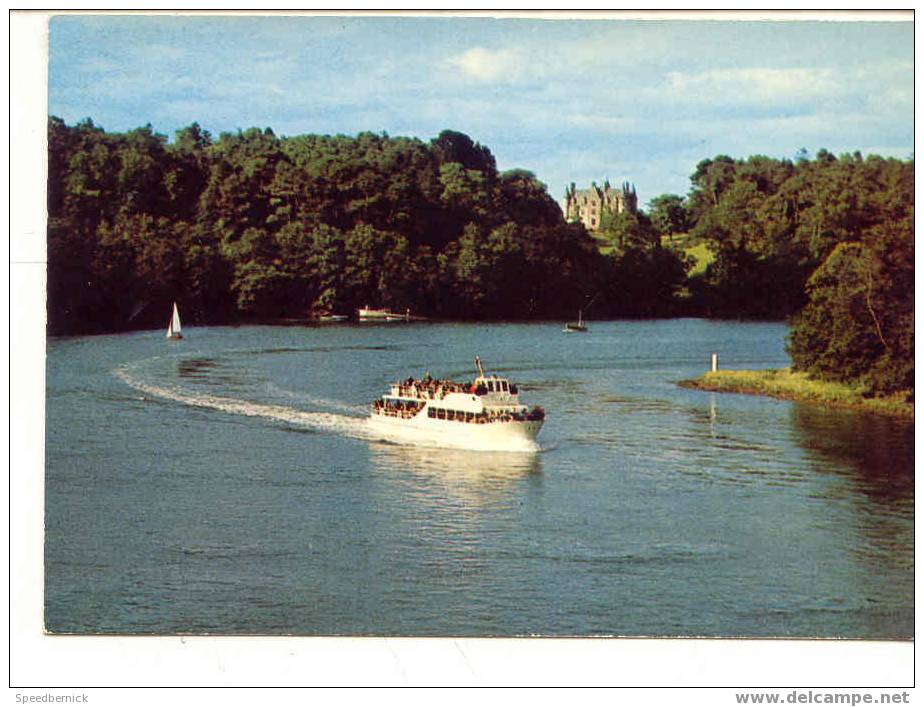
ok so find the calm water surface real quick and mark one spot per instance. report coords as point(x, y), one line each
point(227, 484)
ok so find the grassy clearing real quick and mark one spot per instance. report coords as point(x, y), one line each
point(703, 257)
point(789, 385)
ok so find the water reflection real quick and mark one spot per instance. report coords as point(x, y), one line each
point(870, 461)
point(876, 454)
point(452, 502)
point(195, 367)
point(740, 442)
point(208, 371)
point(472, 478)
point(712, 415)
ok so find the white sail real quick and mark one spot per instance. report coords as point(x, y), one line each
point(174, 327)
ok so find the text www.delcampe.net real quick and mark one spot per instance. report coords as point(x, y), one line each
point(809, 697)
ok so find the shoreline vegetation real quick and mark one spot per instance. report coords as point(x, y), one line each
point(251, 225)
point(786, 384)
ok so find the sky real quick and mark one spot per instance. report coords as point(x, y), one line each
point(584, 100)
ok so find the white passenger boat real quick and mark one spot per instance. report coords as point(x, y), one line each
point(485, 414)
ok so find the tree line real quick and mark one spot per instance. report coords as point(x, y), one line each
point(254, 225)
point(826, 242)
point(251, 225)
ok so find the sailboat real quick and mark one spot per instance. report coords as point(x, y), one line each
point(576, 326)
point(173, 327)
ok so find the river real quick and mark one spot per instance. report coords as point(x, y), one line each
point(227, 484)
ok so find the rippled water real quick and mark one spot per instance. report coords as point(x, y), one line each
point(228, 483)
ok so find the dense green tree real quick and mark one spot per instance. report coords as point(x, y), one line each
point(709, 181)
point(464, 190)
point(627, 230)
point(646, 282)
point(828, 241)
point(859, 322)
point(668, 215)
point(522, 198)
point(452, 146)
point(839, 334)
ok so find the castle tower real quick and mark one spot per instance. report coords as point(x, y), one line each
point(589, 205)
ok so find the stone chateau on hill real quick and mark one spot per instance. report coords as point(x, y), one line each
point(588, 205)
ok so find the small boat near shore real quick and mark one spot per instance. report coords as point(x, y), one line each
point(578, 326)
point(484, 414)
point(174, 328)
point(369, 314)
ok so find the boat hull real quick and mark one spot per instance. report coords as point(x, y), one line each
point(373, 315)
point(515, 436)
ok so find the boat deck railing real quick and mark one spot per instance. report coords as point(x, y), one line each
point(403, 410)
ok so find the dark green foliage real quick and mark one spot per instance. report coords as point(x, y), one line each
point(828, 241)
point(642, 279)
point(859, 322)
point(452, 146)
point(836, 334)
point(254, 225)
point(668, 215)
point(627, 230)
point(741, 283)
point(646, 282)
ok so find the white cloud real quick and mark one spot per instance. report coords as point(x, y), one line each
point(756, 84)
point(553, 59)
point(489, 65)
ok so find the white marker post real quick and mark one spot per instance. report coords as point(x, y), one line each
point(715, 362)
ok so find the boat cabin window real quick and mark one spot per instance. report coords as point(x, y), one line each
point(504, 386)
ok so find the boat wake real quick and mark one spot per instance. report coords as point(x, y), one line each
point(347, 425)
point(316, 401)
point(321, 421)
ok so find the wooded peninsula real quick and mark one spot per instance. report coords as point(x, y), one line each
point(253, 226)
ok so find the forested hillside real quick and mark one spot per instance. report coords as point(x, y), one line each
point(251, 225)
point(828, 242)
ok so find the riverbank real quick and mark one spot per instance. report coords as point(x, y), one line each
point(789, 385)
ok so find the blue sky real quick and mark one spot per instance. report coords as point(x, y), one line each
point(574, 100)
